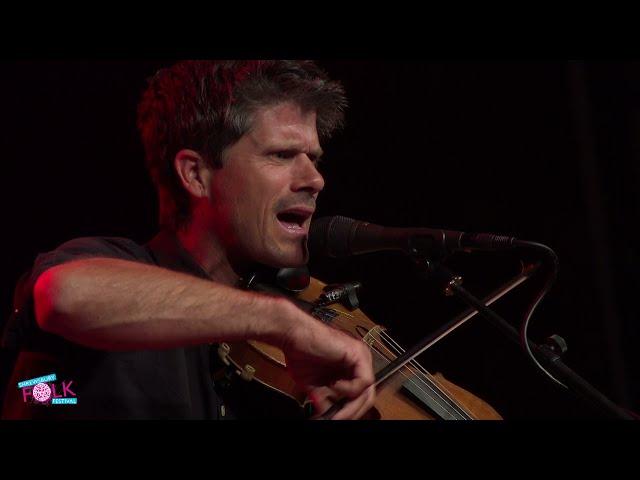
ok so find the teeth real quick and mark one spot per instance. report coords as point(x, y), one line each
point(293, 221)
point(291, 226)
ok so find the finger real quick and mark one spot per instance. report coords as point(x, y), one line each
point(344, 410)
point(369, 402)
point(355, 408)
point(322, 398)
point(362, 378)
point(328, 406)
point(349, 410)
point(350, 388)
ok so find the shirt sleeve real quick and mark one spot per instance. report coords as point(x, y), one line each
point(22, 330)
point(88, 247)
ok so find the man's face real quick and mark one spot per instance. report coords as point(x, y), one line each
point(263, 197)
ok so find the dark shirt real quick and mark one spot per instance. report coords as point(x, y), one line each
point(154, 384)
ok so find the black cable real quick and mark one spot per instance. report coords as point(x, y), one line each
point(551, 276)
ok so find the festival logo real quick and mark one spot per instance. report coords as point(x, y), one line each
point(46, 390)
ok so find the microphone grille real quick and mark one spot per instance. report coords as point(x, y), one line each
point(331, 236)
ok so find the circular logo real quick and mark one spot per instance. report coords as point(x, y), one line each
point(42, 392)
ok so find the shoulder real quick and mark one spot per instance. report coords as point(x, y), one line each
point(95, 246)
point(87, 247)
point(21, 328)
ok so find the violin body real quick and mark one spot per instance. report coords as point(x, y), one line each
point(412, 394)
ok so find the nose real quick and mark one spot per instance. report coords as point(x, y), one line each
point(307, 177)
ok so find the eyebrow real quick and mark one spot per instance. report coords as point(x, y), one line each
point(317, 154)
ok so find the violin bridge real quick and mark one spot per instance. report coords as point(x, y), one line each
point(373, 335)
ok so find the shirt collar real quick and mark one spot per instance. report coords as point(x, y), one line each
point(166, 250)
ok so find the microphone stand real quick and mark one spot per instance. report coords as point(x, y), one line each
point(545, 354)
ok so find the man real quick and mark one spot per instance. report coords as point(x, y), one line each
point(232, 148)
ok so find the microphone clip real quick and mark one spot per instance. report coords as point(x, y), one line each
point(421, 247)
point(345, 294)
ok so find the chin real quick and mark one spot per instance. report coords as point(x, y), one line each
point(296, 257)
point(288, 262)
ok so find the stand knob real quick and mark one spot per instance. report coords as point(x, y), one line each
point(557, 344)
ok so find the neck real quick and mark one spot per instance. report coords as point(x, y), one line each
point(206, 249)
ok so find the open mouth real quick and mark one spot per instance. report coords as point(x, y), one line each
point(294, 220)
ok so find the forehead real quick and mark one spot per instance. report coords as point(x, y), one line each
point(284, 122)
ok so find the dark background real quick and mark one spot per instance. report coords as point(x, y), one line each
point(545, 151)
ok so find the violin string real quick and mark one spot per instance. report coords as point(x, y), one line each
point(407, 377)
point(442, 397)
point(399, 351)
point(437, 394)
point(429, 379)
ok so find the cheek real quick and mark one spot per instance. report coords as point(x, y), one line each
point(256, 196)
point(247, 198)
point(251, 209)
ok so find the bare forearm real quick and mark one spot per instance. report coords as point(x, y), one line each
point(119, 305)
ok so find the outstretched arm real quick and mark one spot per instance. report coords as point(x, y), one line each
point(112, 304)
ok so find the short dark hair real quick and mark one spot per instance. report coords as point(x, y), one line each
point(207, 106)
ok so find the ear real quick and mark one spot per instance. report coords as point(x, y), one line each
point(194, 172)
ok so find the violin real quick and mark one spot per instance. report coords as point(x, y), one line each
point(412, 393)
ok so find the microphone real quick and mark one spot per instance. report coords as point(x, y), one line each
point(339, 237)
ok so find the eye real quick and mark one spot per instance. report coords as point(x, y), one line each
point(284, 154)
